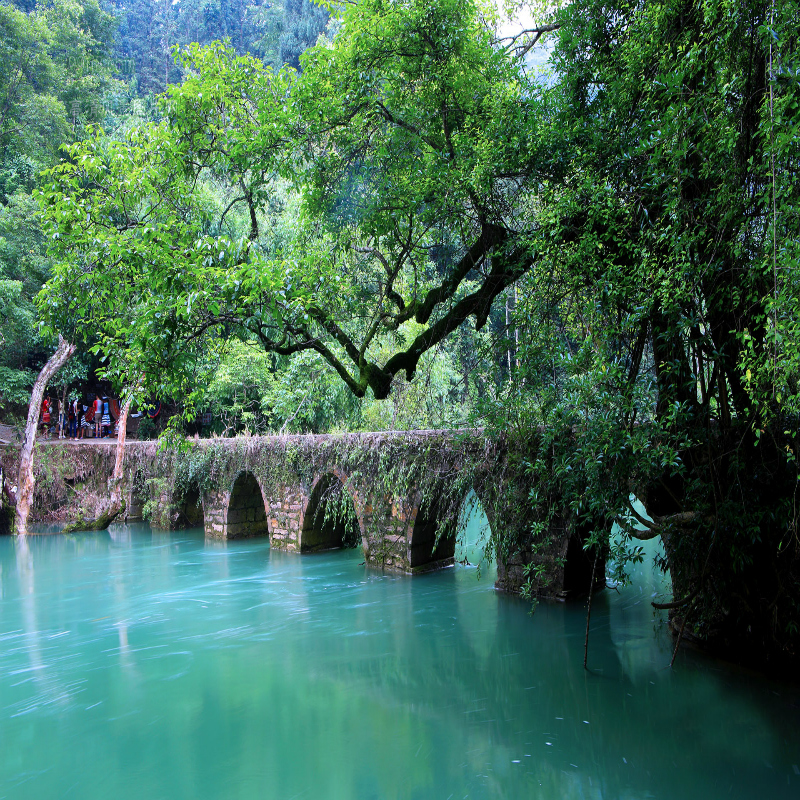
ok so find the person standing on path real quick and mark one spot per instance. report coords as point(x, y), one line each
point(74, 418)
point(63, 418)
point(106, 418)
point(70, 416)
point(98, 417)
point(46, 417)
point(55, 417)
point(85, 424)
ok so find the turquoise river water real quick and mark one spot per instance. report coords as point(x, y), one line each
point(139, 664)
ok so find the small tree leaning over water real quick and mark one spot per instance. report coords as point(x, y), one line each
point(25, 481)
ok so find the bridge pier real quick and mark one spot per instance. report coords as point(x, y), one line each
point(214, 506)
point(559, 566)
point(286, 518)
point(395, 535)
point(386, 530)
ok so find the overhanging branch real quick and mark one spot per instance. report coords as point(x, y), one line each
point(521, 49)
point(491, 236)
point(656, 526)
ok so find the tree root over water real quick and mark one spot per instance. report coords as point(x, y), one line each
point(99, 523)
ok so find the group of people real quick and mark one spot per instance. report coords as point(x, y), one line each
point(76, 420)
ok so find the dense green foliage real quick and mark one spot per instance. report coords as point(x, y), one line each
point(55, 67)
point(409, 198)
point(68, 64)
point(150, 29)
point(256, 392)
point(55, 63)
point(664, 358)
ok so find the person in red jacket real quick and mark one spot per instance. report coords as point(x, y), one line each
point(45, 415)
point(98, 417)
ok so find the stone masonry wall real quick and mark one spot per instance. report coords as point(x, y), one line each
point(286, 518)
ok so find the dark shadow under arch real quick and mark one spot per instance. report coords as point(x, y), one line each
point(425, 553)
point(247, 514)
point(192, 508)
point(578, 565)
point(330, 521)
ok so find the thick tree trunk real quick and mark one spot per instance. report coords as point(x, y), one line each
point(119, 463)
point(99, 523)
point(26, 482)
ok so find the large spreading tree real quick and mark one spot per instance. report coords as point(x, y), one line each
point(408, 146)
point(641, 198)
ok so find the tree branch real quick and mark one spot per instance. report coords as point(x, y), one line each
point(678, 603)
point(505, 271)
point(656, 526)
point(521, 50)
point(491, 236)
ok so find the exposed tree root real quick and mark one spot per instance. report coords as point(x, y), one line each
point(99, 523)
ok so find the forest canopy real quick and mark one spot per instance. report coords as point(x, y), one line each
point(417, 168)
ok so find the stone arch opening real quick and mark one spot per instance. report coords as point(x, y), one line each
point(578, 564)
point(330, 521)
point(425, 552)
point(474, 533)
point(191, 510)
point(246, 515)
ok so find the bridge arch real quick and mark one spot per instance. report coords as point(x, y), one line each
point(330, 518)
point(578, 565)
point(474, 530)
point(424, 551)
point(190, 509)
point(245, 512)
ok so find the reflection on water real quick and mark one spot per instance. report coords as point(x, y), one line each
point(152, 665)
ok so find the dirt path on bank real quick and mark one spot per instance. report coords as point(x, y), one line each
point(10, 435)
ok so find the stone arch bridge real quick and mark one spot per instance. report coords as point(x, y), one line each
point(398, 495)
